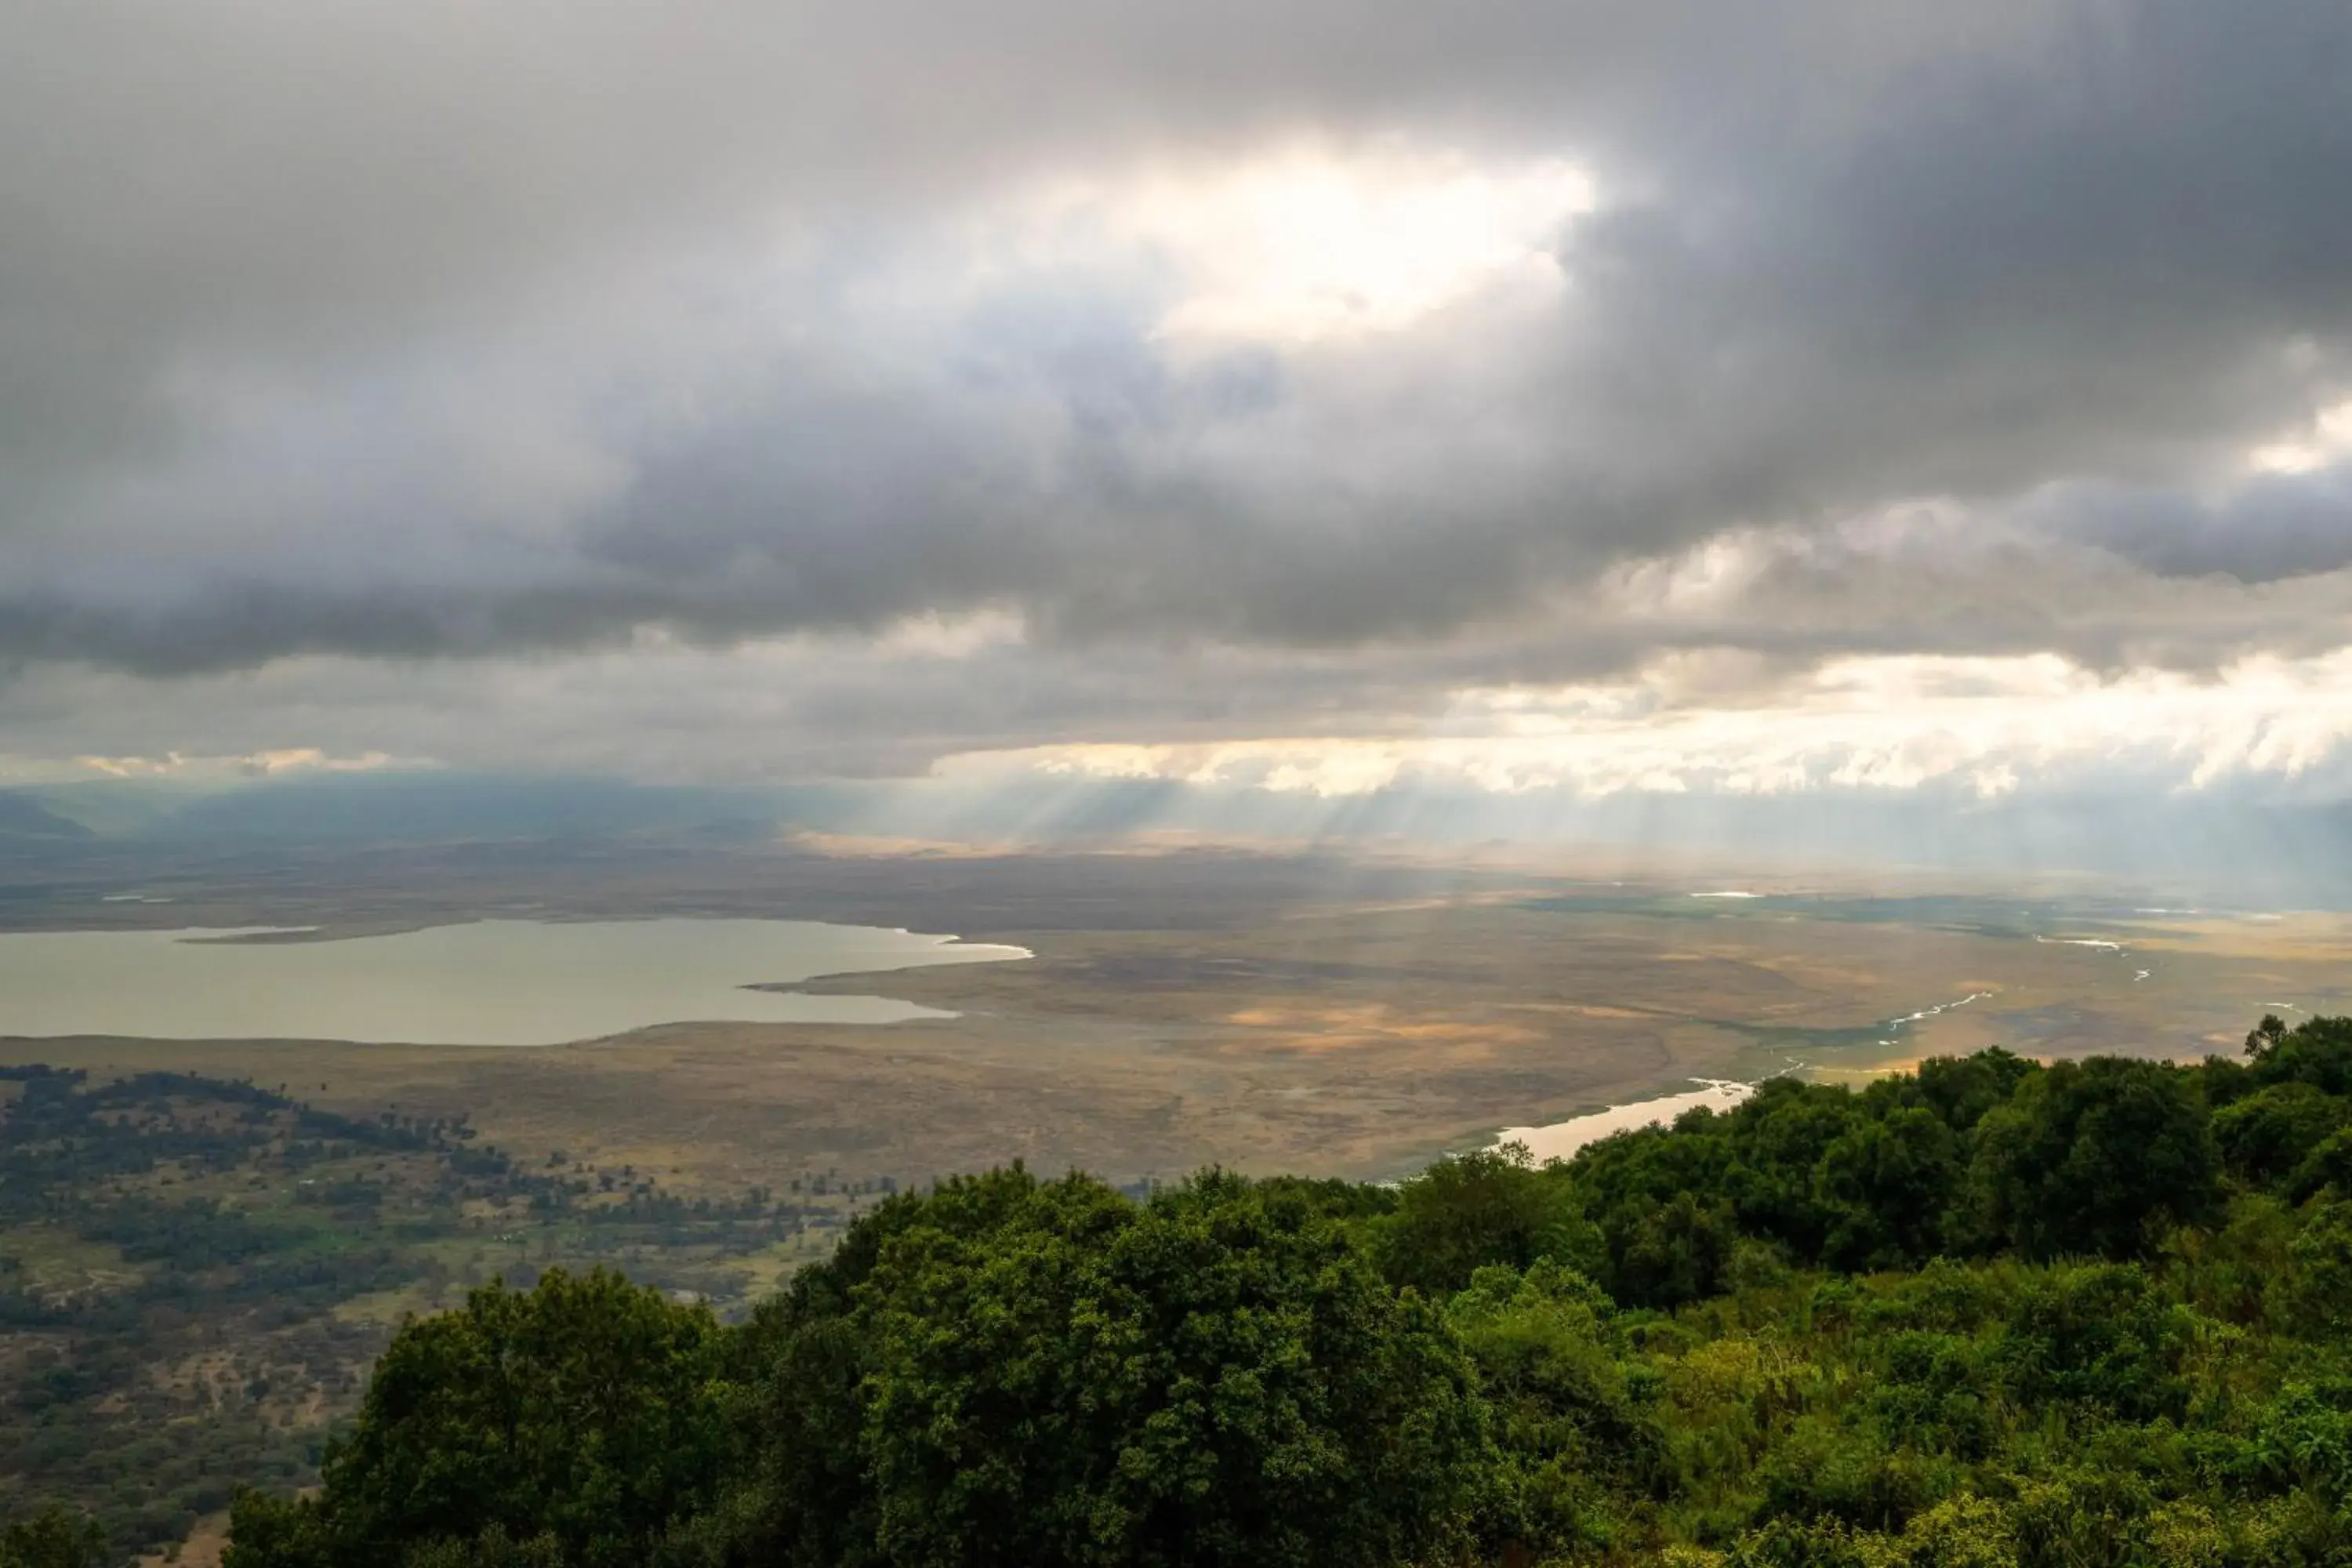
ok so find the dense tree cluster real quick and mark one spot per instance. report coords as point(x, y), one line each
point(52, 1537)
point(1005, 1371)
point(1967, 1157)
point(1983, 1313)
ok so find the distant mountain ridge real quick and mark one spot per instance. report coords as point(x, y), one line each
point(23, 815)
point(2210, 846)
point(409, 807)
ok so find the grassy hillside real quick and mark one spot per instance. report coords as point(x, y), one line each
point(195, 1274)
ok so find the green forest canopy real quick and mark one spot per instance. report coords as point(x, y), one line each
point(1983, 1313)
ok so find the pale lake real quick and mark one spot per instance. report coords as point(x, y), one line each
point(484, 982)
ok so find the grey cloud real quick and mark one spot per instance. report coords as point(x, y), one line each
point(844, 706)
point(1850, 255)
point(2272, 527)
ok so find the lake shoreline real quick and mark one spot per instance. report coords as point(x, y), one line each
point(494, 981)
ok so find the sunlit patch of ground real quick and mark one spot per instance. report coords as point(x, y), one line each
point(1583, 1010)
point(1370, 1025)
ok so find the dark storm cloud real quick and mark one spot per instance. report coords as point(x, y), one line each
point(1846, 255)
point(2280, 525)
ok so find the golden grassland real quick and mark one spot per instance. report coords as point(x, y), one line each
point(1357, 1041)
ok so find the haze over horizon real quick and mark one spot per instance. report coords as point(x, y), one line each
point(1546, 414)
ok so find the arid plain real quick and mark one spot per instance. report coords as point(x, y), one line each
point(1342, 1016)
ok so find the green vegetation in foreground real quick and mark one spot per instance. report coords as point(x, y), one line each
point(1989, 1313)
point(195, 1275)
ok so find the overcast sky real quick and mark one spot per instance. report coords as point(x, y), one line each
point(1683, 396)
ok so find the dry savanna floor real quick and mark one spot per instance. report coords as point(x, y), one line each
point(1355, 1038)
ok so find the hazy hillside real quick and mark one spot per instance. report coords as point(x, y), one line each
point(2210, 847)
